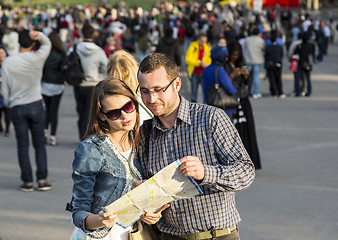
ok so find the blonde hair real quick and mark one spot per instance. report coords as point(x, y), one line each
point(123, 65)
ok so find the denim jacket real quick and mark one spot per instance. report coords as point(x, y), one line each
point(100, 176)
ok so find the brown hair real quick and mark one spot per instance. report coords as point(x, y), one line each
point(156, 60)
point(123, 65)
point(56, 42)
point(109, 87)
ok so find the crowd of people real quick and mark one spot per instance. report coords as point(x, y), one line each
point(132, 60)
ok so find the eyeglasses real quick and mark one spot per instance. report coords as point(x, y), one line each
point(115, 114)
point(146, 92)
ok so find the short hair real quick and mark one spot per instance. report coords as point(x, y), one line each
point(88, 31)
point(122, 65)
point(156, 60)
point(25, 40)
point(256, 31)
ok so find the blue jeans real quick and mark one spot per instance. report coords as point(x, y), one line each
point(255, 69)
point(308, 81)
point(196, 79)
point(30, 117)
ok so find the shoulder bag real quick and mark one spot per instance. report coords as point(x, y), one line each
point(218, 97)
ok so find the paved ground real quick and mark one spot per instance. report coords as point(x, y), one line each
point(294, 196)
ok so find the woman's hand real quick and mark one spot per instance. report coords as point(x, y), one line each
point(108, 219)
point(152, 218)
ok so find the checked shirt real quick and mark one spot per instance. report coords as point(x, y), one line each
point(206, 132)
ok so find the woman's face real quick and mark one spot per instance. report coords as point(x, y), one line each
point(234, 56)
point(126, 121)
point(3, 55)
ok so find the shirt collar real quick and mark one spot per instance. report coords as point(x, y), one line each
point(183, 114)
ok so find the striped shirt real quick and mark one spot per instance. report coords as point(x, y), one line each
point(206, 132)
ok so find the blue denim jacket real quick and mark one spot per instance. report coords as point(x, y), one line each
point(100, 177)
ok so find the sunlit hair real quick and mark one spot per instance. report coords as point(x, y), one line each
point(56, 42)
point(109, 87)
point(123, 65)
point(156, 60)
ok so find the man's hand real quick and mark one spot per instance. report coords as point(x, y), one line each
point(191, 166)
point(34, 35)
point(203, 64)
point(152, 218)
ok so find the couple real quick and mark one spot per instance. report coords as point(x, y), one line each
point(114, 154)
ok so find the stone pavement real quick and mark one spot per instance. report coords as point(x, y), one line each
point(294, 196)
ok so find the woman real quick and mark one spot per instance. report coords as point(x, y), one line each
point(53, 86)
point(243, 120)
point(218, 56)
point(122, 65)
point(104, 167)
point(306, 52)
point(3, 108)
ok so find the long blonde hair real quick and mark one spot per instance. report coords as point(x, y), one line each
point(109, 87)
point(123, 65)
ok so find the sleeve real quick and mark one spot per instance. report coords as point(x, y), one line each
point(206, 56)
point(234, 170)
point(189, 58)
point(86, 165)
point(225, 81)
point(44, 50)
point(103, 62)
point(5, 88)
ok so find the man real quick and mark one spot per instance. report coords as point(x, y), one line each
point(21, 75)
point(197, 58)
point(93, 61)
point(254, 57)
point(170, 46)
point(208, 147)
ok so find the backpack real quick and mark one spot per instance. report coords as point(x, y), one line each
point(72, 68)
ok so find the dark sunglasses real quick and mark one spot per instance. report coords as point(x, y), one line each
point(115, 114)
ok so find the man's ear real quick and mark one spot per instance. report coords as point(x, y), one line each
point(178, 84)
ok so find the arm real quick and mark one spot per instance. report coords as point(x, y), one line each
point(86, 165)
point(5, 84)
point(44, 50)
point(225, 81)
point(235, 170)
point(190, 57)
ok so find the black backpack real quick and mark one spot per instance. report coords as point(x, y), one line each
point(72, 68)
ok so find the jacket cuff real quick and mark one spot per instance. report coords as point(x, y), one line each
point(210, 175)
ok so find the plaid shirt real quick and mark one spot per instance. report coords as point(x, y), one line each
point(206, 132)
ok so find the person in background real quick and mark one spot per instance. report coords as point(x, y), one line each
point(94, 61)
point(3, 107)
point(273, 58)
point(123, 65)
point(21, 89)
point(170, 46)
point(111, 46)
point(197, 59)
point(218, 56)
point(104, 165)
point(306, 51)
point(254, 57)
point(243, 120)
point(52, 86)
point(208, 146)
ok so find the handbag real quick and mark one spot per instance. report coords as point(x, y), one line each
point(143, 232)
point(218, 97)
point(294, 63)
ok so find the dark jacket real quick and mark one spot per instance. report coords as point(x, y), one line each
point(170, 46)
point(273, 54)
point(52, 68)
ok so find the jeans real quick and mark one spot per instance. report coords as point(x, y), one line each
point(196, 79)
point(52, 108)
point(83, 97)
point(308, 81)
point(30, 117)
point(255, 70)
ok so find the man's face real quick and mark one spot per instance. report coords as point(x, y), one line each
point(159, 93)
point(202, 40)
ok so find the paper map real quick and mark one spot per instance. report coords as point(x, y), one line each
point(167, 185)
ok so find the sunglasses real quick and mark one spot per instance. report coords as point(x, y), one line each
point(115, 114)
